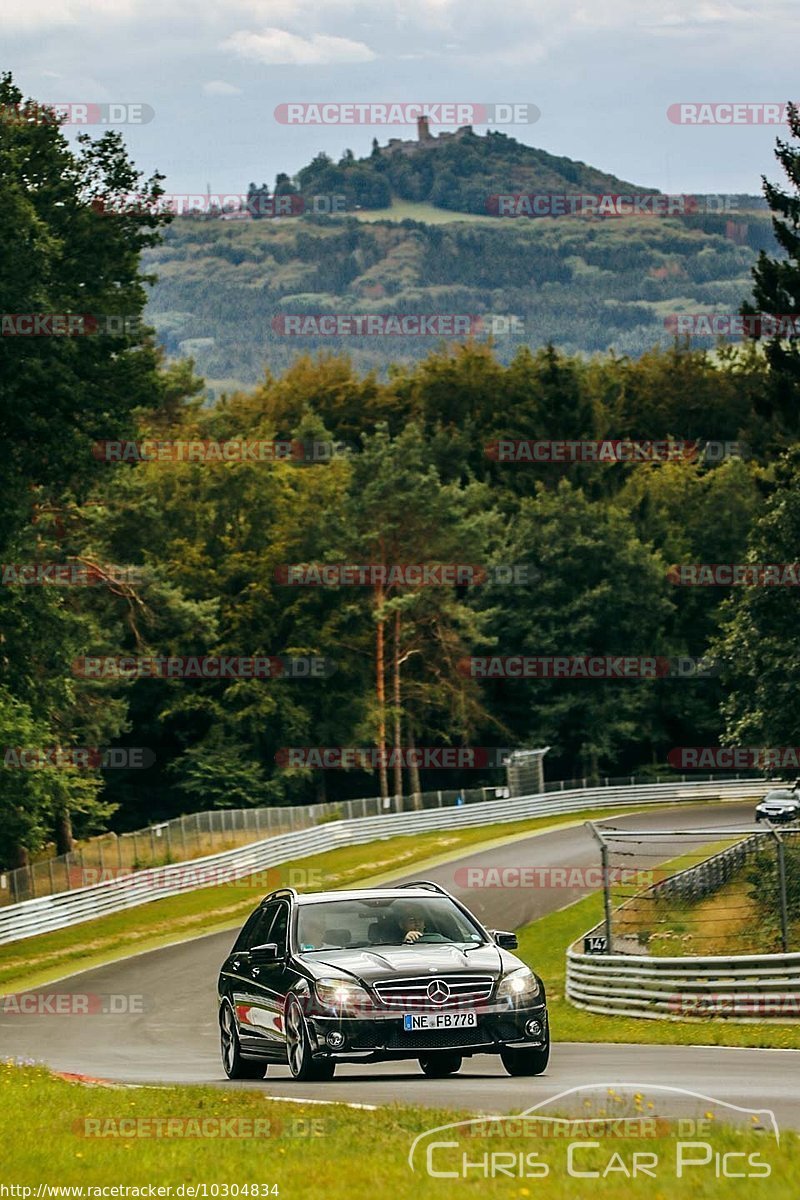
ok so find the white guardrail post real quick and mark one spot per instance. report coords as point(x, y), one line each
point(42, 915)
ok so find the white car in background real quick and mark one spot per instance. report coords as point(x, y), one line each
point(779, 806)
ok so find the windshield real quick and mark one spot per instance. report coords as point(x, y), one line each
point(779, 796)
point(349, 924)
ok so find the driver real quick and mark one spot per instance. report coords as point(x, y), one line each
point(412, 926)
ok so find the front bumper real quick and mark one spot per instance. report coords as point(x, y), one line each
point(379, 1038)
point(778, 818)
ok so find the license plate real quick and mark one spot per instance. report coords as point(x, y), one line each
point(439, 1020)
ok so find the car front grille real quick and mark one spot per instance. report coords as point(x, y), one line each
point(463, 991)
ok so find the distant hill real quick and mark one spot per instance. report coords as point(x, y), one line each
point(458, 171)
point(586, 284)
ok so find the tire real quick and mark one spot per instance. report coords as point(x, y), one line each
point(439, 1066)
point(302, 1064)
point(236, 1067)
point(526, 1060)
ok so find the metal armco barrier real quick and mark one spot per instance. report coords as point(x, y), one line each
point(47, 913)
point(743, 987)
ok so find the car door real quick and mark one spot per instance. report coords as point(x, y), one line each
point(243, 986)
point(260, 1014)
point(234, 972)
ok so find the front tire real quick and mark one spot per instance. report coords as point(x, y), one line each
point(526, 1060)
point(236, 1067)
point(302, 1064)
point(439, 1066)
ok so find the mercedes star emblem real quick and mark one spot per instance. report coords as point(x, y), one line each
point(438, 991)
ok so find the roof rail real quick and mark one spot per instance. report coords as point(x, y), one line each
point(427, 883)
point(286, 891)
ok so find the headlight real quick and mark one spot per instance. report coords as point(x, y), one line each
point(520, 984)
point(342, 994)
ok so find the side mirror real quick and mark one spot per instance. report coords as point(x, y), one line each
point(265, 953)
point(506, 941)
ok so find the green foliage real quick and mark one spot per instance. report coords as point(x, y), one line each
point(584, 285)
point(413, 481)
point(776, 290)
point(764, 890)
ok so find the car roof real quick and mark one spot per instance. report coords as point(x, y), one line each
point(368, 894)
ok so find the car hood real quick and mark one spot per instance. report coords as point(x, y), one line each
point(386, 961)
point(778, 805)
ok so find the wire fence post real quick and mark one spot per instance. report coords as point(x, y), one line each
point(606, 882)
point(782, 892)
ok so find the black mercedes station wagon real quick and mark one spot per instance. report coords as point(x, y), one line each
point(376, 975)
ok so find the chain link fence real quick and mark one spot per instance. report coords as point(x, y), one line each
point(184, 838)
point(668, 895)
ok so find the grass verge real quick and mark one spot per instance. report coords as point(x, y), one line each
point(65, 1134)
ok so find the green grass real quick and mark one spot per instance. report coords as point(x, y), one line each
point(413, 210)
point(49, 956)
point(543, 945)
point(329, 1151)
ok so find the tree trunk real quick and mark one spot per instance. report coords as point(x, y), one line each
point(380, 685)
point(398, 758)
point(322, 788)
point(21, 857)
point(413, 770)
point(64, 839)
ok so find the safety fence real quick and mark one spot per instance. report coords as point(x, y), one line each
point(630, 981)
point(214, 830)
point(128, 889)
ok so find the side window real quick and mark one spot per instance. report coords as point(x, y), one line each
point(279, 928)
point(260, 931)
point(244, 939)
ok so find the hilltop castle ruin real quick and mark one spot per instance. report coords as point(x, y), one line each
point(425, 139)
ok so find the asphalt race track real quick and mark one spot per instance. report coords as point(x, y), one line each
point(175, 1039)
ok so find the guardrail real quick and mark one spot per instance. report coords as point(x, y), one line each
point(707, 877)
point(211, 831)
point(42, 915)
point(742, 987)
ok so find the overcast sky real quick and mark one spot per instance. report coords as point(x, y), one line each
point(602, 74)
